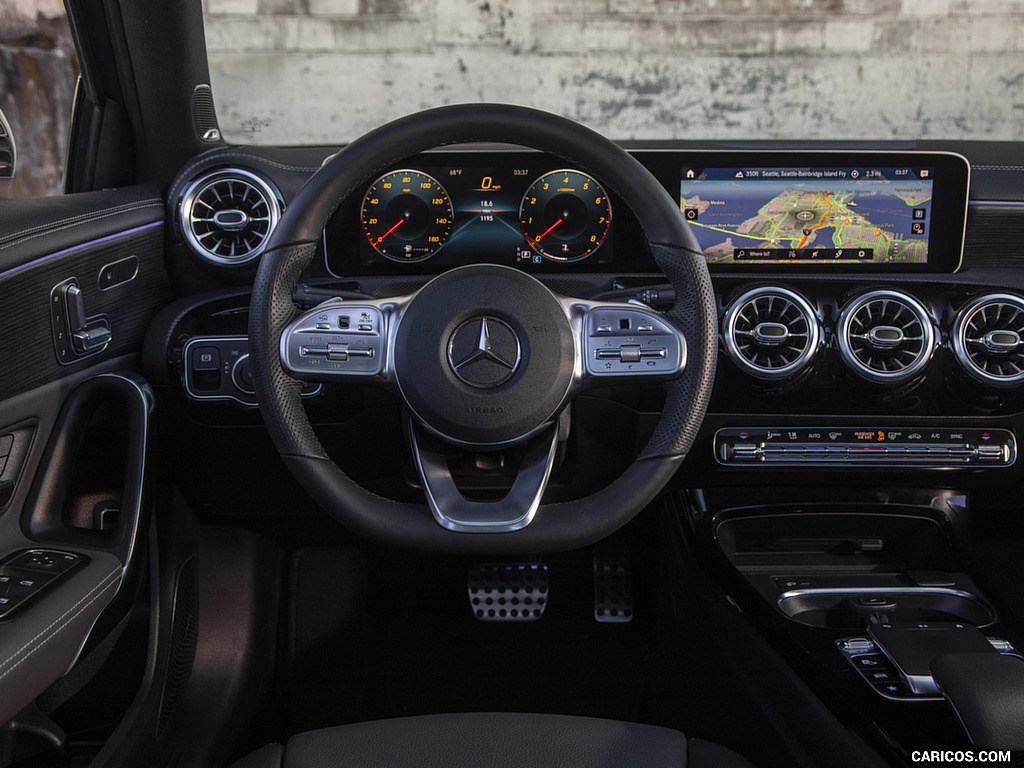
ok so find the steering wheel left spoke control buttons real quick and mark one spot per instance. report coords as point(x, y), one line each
point(219, 368)
point(335, 339)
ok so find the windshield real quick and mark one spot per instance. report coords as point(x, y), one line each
point(301, 72)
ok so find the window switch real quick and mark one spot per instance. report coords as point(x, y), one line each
point(28, 574)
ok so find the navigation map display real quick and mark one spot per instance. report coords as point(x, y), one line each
point(870, 214)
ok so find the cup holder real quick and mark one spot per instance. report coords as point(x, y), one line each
point(856, 608)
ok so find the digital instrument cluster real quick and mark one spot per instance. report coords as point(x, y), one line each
point(446, 209)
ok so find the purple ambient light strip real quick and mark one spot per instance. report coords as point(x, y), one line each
point(74, 248)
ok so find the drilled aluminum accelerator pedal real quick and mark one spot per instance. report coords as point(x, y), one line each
point(508, 592)
point(613, 587)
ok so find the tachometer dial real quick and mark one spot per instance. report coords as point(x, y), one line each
point(407, 215)
point(565, 215)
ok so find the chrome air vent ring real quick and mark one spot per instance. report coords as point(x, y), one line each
point(886, 336)
point(770, 332)
point(988, 339)
point(227, 216)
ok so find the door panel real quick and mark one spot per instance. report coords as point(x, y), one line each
point(69, 427)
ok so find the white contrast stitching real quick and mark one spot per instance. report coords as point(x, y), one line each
point(86, 218)
point(101, 587)
point(219, 156)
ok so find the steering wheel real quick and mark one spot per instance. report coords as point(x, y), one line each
point(483, 356)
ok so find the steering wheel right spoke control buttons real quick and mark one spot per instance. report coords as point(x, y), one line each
point(622, 341)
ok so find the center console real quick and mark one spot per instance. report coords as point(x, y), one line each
point(862, 429)
point(865, 589)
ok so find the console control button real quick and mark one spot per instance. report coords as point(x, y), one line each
point(869, 661)
point(786, 583)
point(894, 689)
point(241, 374)
point(857, 645)
point(205, 359)
point(881, 675)
point(219, 368)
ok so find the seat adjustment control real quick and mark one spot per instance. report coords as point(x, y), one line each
point(75, 333)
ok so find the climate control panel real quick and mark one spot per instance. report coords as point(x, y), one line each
point(928, 447)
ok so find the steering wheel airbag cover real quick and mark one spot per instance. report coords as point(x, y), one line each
point(541, 371)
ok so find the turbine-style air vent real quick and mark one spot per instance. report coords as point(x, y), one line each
point(771, 333)
point(886, 336)
point(987, 339)
point(228, 215)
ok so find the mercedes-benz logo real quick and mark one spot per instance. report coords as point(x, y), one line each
point(484, 352)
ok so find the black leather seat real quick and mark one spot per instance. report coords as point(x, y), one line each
point(493, 741)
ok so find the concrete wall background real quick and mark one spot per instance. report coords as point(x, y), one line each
point(324, 71)
point(38, 69)
point(308, 71)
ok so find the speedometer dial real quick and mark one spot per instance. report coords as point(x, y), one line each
point(565, 215)
point(407, 215)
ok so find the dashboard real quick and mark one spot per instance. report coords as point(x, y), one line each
point(850, 283)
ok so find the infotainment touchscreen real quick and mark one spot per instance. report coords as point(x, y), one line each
point(896, 211)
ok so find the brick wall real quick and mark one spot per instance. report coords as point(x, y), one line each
point(304, 71)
